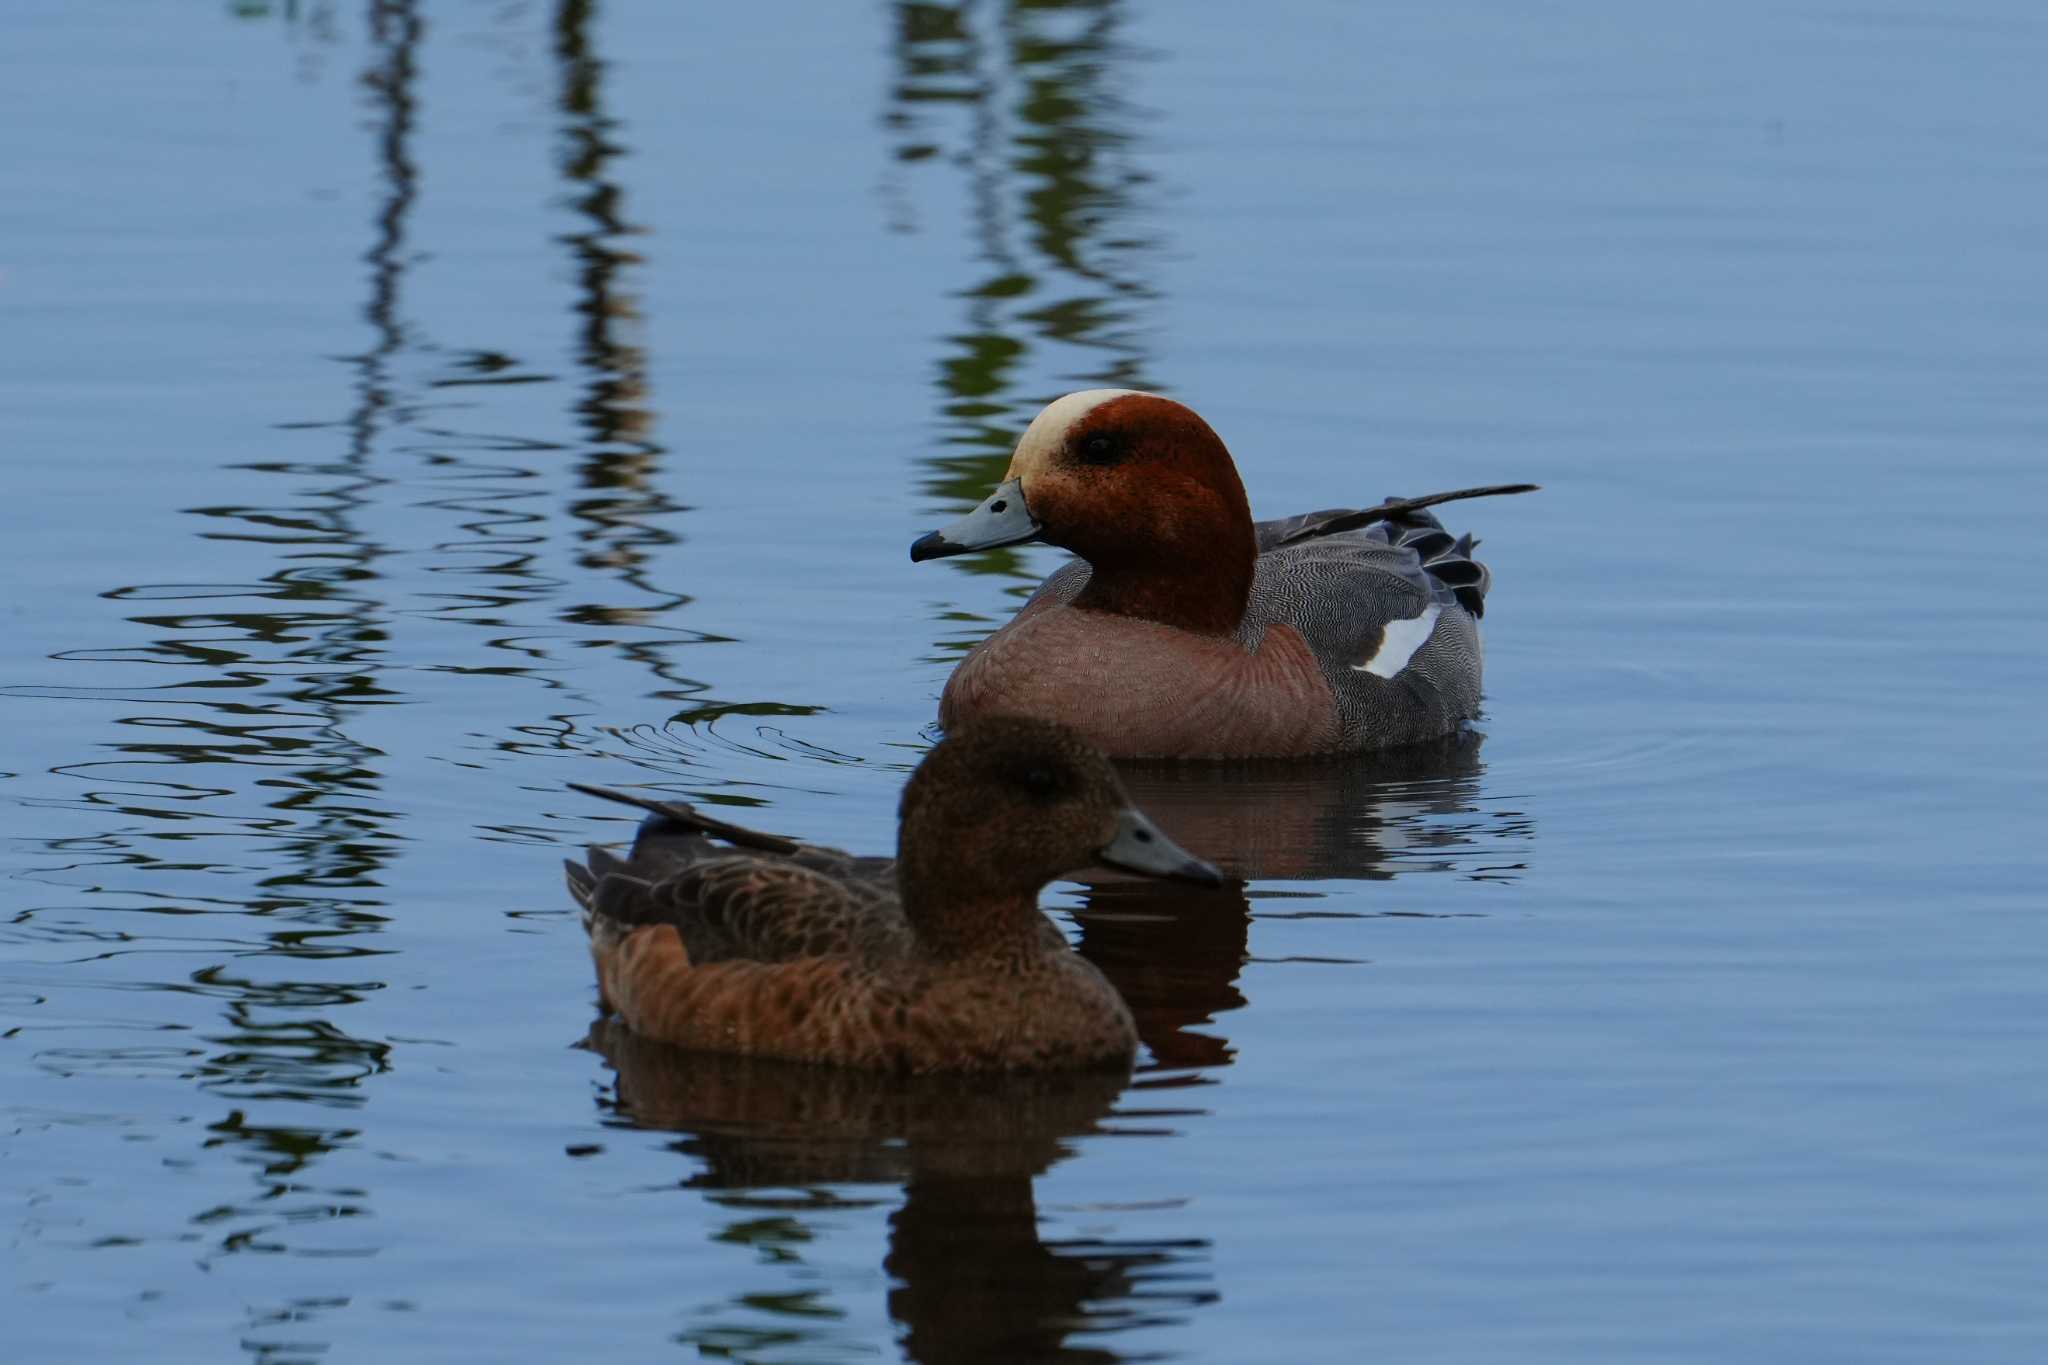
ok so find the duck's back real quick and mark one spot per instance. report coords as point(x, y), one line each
point(1390, 610)
point(1387, 611)
point(755, 905)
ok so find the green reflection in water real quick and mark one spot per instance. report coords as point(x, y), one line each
point(243, 818)
point(1022, 100)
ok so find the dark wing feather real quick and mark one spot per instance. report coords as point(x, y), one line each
point(774, 910)
point(1302, 526)
point(1338, 520)
point(1401, 523)
point(686, 818)
point(736, 894)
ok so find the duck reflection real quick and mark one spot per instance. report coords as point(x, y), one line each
point(1175, 952)
point(973, 1277)
point(1367, 817)
point(1175, 959)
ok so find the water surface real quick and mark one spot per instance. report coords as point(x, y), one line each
point(409, 409)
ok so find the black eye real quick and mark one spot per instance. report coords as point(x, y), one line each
point(1040, 782)
point(1101, 447)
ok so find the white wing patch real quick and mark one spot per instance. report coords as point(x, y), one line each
point(1398, 645)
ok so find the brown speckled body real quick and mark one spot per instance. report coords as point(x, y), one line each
point(911, 1012)
point(1178, 693)
point(939, 961)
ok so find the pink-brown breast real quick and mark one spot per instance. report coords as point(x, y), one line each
point(1141, 690)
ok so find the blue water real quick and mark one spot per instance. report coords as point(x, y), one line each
point(407, 409)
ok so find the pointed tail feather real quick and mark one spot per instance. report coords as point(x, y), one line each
point(582, 882)
point(614, 903)
point(586, 886)
point(1393, 509)
point(693, 820)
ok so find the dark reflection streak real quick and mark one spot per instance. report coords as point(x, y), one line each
point(341, 842)
point(977, 1281)
point(395, 29)
point(1175, 953)
point(621, 469)
point(991, 352)
point(337, 851)
point(614, 407)
point(1048, 194)
point(1174, 956)
point(974, 1277)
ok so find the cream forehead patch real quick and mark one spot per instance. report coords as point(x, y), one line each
point(1048, 431)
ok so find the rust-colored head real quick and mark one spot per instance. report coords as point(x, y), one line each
point(1141, 488)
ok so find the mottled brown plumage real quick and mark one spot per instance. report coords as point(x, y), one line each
point(716, 937)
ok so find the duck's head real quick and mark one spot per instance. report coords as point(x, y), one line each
point(1005, 805)
point(1141, 488)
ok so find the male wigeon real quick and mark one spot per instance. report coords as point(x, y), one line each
point(936, 961)
point(1185, 629)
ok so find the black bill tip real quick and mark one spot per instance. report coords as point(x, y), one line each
point(933, 546)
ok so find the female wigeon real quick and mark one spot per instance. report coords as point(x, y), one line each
point(1186, 630)
point(936, 961)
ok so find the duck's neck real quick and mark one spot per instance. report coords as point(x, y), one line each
point(955, 913)
point(1198, 584)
